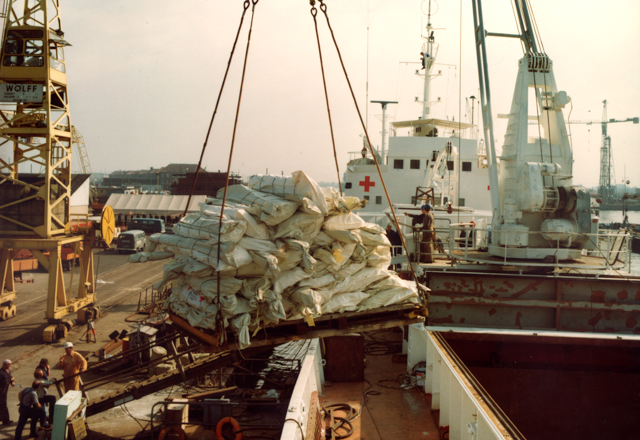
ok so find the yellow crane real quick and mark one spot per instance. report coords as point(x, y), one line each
point(35, 129)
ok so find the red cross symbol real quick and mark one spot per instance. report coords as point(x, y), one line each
point(367, 183)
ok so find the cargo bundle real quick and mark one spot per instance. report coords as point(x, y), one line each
point(285, 249)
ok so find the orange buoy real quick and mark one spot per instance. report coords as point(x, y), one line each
point(234, 424)
point(172, 428)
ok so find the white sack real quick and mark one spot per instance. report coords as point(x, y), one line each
point(299, 187)
point(273, 210)
point(300, 226)
point(344, 302)
point(406, 292)
point(205, 225)
point(289, 278)
point(343, 222)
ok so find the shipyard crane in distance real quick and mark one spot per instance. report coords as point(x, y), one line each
point(78, 144)
point(35, 129)
point(605, 189)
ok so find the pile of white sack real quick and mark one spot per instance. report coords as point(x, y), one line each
point(286, 249)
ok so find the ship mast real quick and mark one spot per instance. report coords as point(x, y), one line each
point(428, 55)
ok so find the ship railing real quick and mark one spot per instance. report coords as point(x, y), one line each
point(604, 249)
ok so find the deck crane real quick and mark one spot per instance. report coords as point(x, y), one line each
point(35, 129)
point(605, 189)
point(538, 214)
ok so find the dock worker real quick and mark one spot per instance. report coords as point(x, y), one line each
point(6, 380)
point(72, 363)
point(30, 408)
point(46, 400)
point(427, 221)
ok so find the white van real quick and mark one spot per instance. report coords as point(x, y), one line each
point(132, 241)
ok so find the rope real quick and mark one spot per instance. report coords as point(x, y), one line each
point(323, 8)
point(314, 12)
point(215, 110)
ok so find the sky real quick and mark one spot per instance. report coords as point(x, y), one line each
point(144, 77)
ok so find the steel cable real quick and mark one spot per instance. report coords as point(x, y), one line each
point(422, 295)
point(215, 110)
point(314, 12)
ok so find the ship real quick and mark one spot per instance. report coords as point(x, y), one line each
point(534, 337)
point(440, 161)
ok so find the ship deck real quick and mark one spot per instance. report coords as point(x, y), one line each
point(386, 413)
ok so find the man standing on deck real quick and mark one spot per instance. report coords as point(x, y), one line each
point(72, 363)
point(6, 379)
point(428, 237)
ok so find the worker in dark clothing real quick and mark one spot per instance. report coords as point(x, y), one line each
point(428, 236)
point(30, 408)
point(6, 380)
point(396, 243)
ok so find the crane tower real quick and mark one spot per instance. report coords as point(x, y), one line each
point(36, 134)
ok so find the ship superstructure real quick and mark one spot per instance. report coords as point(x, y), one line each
point(424, 154)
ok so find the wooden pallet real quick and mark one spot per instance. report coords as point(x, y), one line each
point(334, 324)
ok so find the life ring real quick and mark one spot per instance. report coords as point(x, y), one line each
point(234, 424)
point(172, 428)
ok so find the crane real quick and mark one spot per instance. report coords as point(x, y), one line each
point(605, 189)
point(35, 129)
point(79, 145)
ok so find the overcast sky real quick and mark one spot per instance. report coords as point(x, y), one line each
point(144, 77)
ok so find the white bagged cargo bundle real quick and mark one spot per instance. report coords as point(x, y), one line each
point(298, 187)
point(285, 264)
point(273, 209)
point(204, 251)
point(206, 225)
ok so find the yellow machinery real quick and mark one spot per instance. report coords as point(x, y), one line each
point(36, 134)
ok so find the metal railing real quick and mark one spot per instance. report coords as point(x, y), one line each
point(605, 248)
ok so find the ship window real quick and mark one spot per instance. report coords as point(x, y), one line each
point(366, 197)
point(450, 165)
point(434, 155)
point(398, 164)
point(378, 200)
point(445, 200)
point(347, 185)
point(466, 166)
point(460, 202)
point(414, 164)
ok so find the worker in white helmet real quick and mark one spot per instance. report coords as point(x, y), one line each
point(72, 363)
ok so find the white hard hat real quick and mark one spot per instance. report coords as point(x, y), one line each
point(6, 361)
point(68, 344)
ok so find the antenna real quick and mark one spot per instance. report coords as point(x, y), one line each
point(384, 121)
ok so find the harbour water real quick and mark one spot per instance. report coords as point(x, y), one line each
point(617, 217)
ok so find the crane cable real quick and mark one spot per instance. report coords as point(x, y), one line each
point(219, 318)
point(314, 12)
point(421, 294)
point(215, 110)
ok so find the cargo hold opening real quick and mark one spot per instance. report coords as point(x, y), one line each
point(557, 387)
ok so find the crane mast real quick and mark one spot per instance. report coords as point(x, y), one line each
point(36, 134)
point(537, 212)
